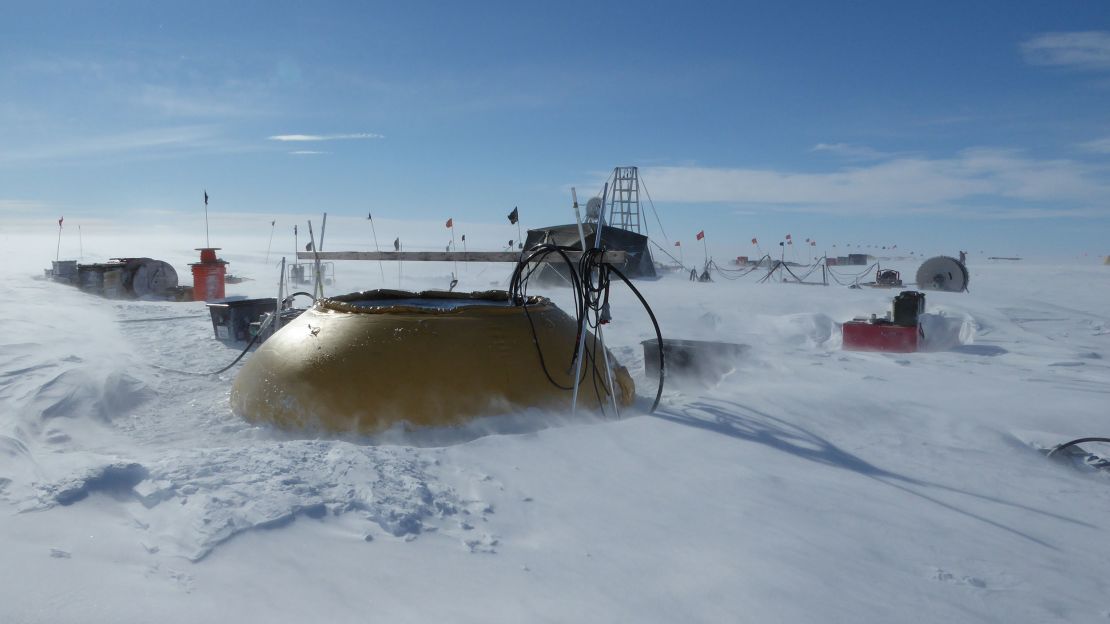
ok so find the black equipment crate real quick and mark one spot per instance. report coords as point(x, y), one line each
point(692, 359)
point(907, 307)
point(231, 320)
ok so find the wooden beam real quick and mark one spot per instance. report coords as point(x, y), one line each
point(611, 257)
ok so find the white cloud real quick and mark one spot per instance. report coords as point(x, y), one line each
point(175, 139)
point(325, 137)
point(15, 206)
point(850, 151)
point(307, 152)
point(1081, 50)
point(966, 183)
point(172, 102)
point(1101, 146)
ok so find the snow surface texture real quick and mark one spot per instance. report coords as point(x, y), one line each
point(810, 484)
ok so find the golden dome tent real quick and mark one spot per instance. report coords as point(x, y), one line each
point(364, 361)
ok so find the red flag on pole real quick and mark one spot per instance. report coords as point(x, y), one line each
point(701, 234)
point(450, 223)
point(787, 237)
point(755, 241)
point(678, 243)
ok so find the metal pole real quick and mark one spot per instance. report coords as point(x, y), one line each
point(601, 334)
point(582, 327)
point(281, 295)
point(80, 244)
point(577, 219)
point(374, 233)
point(318, 287)
point(581, 330)
point(58, 251)
point(455, 271)
point(319, 276)
point(273, 224)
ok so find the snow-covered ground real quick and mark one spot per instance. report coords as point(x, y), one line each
point(810, 484)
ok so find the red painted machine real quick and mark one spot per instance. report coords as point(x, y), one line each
point(898, 332)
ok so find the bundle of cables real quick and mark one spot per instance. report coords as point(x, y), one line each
point(589, 281)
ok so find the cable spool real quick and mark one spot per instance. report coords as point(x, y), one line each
point(151, 277)
point(943, 273)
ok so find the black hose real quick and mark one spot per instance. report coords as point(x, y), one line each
point(589, 295)
point(250, 344)
point(1060, 447)
point(658, 335)
point(289, 300)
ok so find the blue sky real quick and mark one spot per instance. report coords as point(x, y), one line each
point(932, 125)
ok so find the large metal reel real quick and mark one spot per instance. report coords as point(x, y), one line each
point(153, 277)
point(943, 273)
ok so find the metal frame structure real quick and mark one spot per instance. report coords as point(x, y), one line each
point(624, 199)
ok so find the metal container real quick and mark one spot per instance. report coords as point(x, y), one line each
point(692, 360)
point(231, 320)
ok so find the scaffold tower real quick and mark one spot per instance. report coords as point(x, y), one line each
point(624, 199)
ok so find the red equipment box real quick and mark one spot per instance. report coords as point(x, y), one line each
point(880, 336)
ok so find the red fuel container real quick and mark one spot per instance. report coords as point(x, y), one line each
point(869, 336)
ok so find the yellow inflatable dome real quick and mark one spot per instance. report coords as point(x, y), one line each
point(364, 361)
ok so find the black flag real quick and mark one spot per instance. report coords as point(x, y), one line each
point(464, 238)
point(308, 246)
point(294, 230)
point(510, 244)
point(397, 244)
point(273, 223)
point(781, 244)
point(369, 216)
point(514, 216)
point(206, 198)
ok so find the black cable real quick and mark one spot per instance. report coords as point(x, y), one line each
point(269, 320)
point(289, 300)
point(250, 344)
point(590, 286)
point(658, 335)
point(518, 294)
point(734, 274)
point(1060, 447)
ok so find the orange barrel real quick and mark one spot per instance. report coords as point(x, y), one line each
point(208, 275)
point(208, 281)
